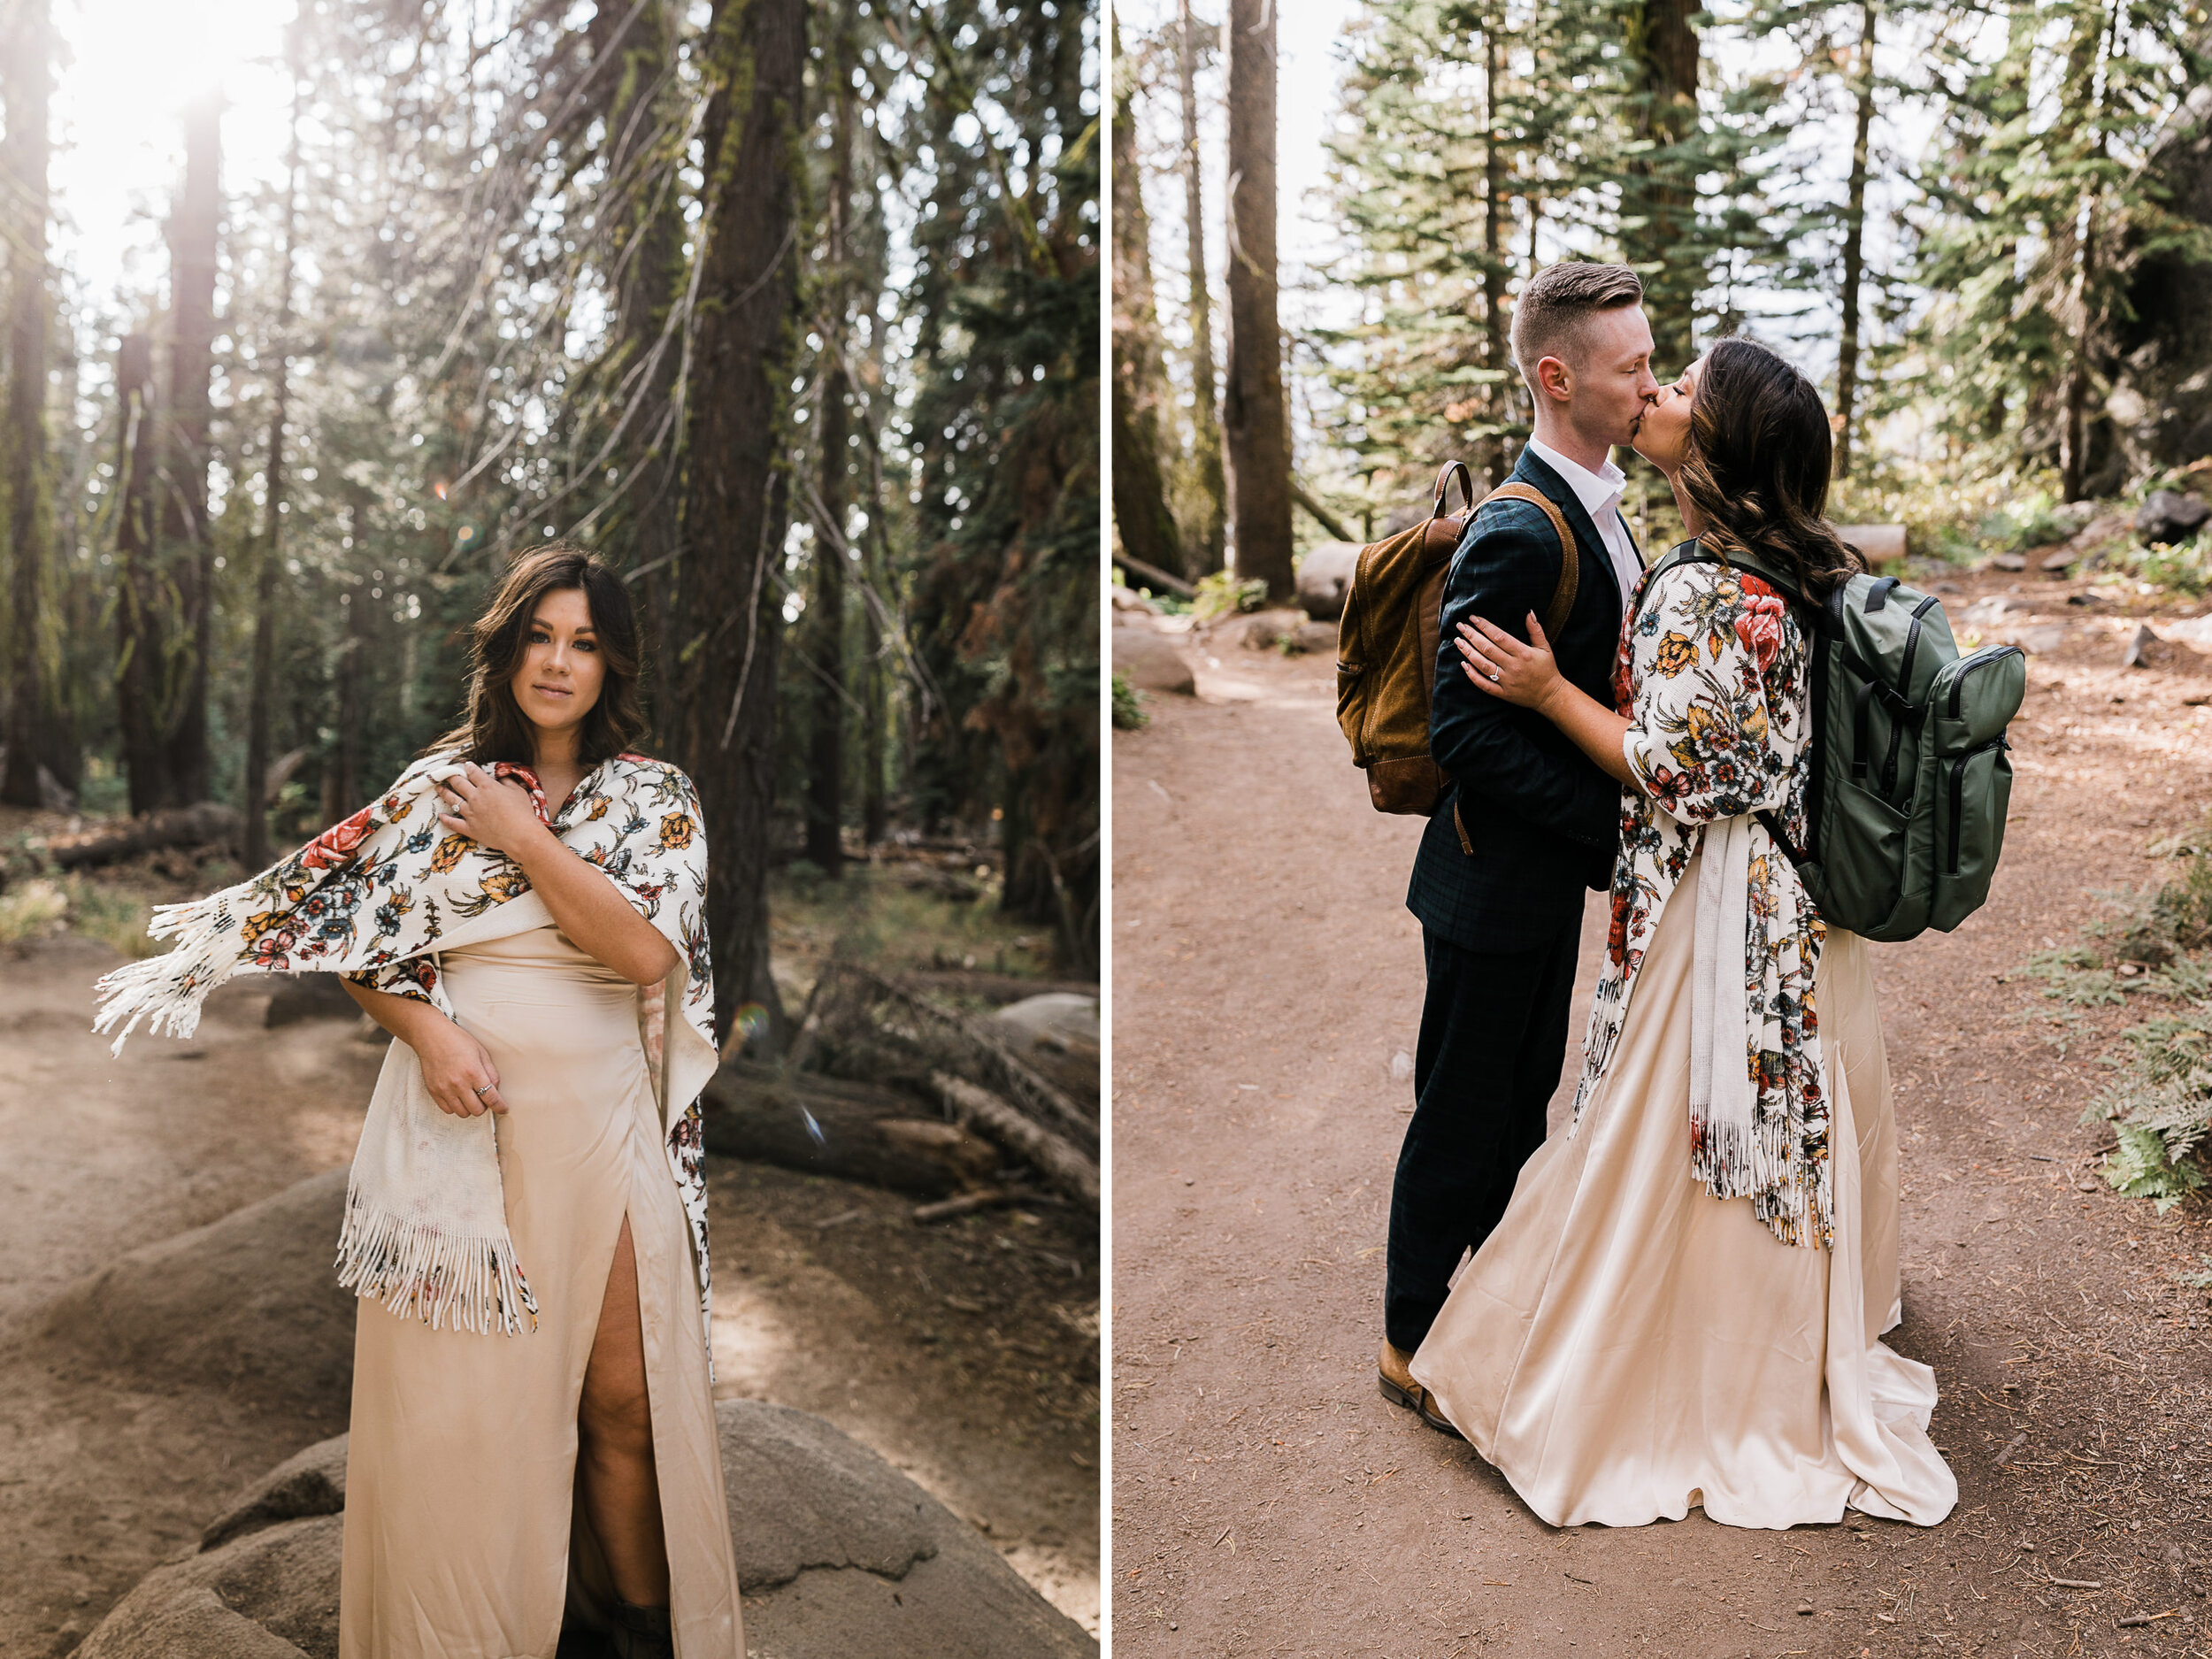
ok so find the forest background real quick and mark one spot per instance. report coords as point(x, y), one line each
point(1984, 227)
point(787, 309)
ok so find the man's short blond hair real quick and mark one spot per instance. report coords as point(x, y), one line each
point(1549, 318)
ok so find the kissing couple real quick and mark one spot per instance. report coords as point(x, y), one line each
point(1679, 1299)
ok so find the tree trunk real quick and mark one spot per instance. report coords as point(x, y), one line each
point(24, 74)
point(1207, 535)
point(736, 504)
point(1854, 246)
point(1492, 454)
point(643, 527)
point(1141, 516)
point(1663, 190)
point(825, 623)
point(1256, 418)
point(2073, 457)
point(265, 589)
point(139, 614)
point(342, 794)
point(187, 550)
point(874, 746)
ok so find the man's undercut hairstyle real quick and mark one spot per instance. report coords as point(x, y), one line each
point(1554, 310)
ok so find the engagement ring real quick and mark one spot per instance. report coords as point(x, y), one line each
point(1493, 676)
point(479, 1090)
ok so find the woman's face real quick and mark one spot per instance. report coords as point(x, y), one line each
point(561, 669)
point(1664, 435)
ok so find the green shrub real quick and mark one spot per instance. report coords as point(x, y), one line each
point(2184, 568)
point(1222, 594)
point(29, 910)
point(1129, 715)
point(2159, 945)
point(114, 917)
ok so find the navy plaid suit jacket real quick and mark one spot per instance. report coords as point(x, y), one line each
point(1543, 820)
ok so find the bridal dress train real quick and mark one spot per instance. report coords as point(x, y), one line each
point(1625, 1347)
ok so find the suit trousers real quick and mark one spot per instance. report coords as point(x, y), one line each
point(1493, 1034)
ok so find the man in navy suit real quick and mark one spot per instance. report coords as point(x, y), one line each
point(1527, 823)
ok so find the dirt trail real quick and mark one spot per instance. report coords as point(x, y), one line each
point(957, 1352)
point(1267, 1500)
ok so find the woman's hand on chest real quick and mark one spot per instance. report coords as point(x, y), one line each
point(495, 813)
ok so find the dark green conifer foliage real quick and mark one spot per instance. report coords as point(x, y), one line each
point(2036, 209)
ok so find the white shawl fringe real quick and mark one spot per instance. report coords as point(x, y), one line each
point(418, 1270)
point(166, 991)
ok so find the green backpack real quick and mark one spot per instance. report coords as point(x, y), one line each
point(1909, 782)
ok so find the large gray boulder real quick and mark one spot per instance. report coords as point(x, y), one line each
point(851, 1559)
point(1149, 662)
point(2169, 517)
point(312, 1482)
point(270, 1594)
point(1325, 576)
point(840, 1556)
point(2160, 340)
point(1259, 630)
point(248, 1304)
point(1881, 543)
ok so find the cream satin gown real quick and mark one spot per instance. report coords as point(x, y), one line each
point(461, 1537)
point(1624, 1345)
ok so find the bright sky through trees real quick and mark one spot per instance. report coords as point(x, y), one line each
point(126, 69)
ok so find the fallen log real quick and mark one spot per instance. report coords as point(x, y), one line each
point(202, 824)
point(995, 988)
point(964, 1044)
point(945, 884)
point(982, 1198)
point(856, 1132)
point(1153, 576)
point(1052, 1156)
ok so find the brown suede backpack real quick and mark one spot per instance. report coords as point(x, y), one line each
point(1387, 644)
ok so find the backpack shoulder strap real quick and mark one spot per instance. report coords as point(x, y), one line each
point(1562, 596)
point(1680, 554)
point(1695, 552)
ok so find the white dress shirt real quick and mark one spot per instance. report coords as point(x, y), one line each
point(1599, 493)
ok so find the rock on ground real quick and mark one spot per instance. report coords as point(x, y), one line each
point(1882, 543)
point(309, 996)
point(840, 1556)
point(312, 1482)
point(247, 1304)
point(1325, 576)
point(2168, 517)
point(1149, 663)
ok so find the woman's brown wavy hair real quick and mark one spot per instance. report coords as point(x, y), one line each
point(495, 729)
point(1756, 466)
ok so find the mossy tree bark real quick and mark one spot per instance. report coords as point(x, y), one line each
point(1256, 418)
point(737, 498)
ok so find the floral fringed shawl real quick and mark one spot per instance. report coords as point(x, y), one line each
point(375, 898)
point(1714, 676)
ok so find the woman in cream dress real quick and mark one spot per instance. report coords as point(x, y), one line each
point(1685, 1301)
point(499, 1487)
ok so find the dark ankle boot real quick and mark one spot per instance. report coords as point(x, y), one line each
point(641, 1632)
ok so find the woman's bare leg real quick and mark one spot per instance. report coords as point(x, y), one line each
point(614, 1463)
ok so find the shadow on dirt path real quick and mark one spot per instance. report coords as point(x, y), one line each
point(1267, 1500)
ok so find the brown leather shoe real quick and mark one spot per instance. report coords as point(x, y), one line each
point(1394, 1374)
